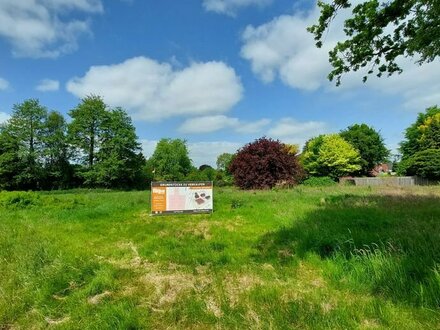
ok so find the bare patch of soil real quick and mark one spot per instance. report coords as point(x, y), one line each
point(99, 297)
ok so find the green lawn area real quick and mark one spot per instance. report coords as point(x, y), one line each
point(305, 258)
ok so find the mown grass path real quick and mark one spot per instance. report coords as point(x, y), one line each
point(306, 258)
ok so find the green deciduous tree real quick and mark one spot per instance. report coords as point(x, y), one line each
point(369, 143)
point(58, 171)
point(223, 162)
point(378, 33)
point(10, 163)
point(292, 148)
point(27, 127)
point(170, 160)
point(223, 175)
point(86, 127)
point(203, 173)
point(425, 163)
point(430, 132)
point(423, 134)
point(107, 144)
point(330, 155)
point(119, 160)
point(36, 148)
point(421, 147)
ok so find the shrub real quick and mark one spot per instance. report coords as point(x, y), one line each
point(264, 163)
point(223, 179)
point(323, 181)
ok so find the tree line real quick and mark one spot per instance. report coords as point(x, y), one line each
point(98, 147)
point(355, 151)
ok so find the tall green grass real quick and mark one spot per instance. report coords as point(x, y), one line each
point(312, 258)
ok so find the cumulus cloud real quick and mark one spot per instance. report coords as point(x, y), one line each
point(283, 49)
point(207, 124)
point(207, 152)
point(419, 86)
point(44, 28)
point(48, 85)
point(200, 152)
point(4, 117)
point(152, 91)
point(4, 84)
point(252, 127)
point(230, 7)
point(290, 130)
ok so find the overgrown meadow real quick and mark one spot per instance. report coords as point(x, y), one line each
point(306, 258)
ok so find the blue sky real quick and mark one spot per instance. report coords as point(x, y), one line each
point(218, 73)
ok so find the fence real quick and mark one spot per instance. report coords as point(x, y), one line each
point(393, 181)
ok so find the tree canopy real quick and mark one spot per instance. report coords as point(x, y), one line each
point(56, 151)
point(421, 147)
point(423, 134)
point(85, 128)
point(10, 162)
point(369, 143)
point(378, 33)
point(224, 160)
point(36, 148)
point(170, 160)
point(263, 164)
point(330, 155)
point(26, 127)
point(425, 163)
point(119, 159)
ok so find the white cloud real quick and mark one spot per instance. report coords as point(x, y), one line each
point(48, 85)
point(4, 117)
point(207, 152)
point(4, 84)
point(43, 28)
point(230, 7)
point(152, 91)
point(290, 130)
point(207, 124)
point(200, 152)
point(419, 86)
point(252, 127)
point(283, 49)
point(82, 5)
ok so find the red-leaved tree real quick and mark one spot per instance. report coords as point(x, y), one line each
point(265, 163)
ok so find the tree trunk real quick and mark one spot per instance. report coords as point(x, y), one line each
point(92, 146)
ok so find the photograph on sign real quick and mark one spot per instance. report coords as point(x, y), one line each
point(181, 197)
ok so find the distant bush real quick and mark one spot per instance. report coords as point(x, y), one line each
point(223, 179)
point(206, 174)
point(323, 181)
point(263, 164)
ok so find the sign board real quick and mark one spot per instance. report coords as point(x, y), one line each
point(181, 197)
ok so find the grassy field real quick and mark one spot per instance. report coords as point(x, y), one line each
point(306, 258)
